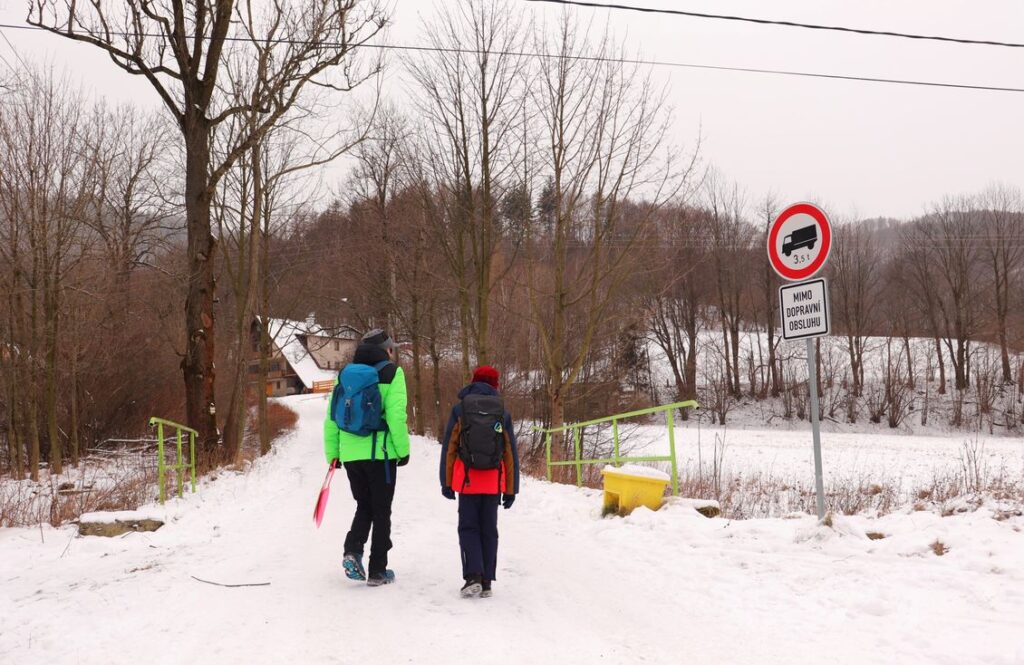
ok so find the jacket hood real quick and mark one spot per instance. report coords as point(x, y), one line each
point(369, 354)
point(478, 388)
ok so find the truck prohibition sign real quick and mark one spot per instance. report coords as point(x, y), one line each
point(799, 242)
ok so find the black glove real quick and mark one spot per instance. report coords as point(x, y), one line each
point(402, 461)
point(507, 500)
point(448, 493)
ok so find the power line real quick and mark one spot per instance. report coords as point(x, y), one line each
point(14, 51)
point(788, 24)
point(9, 65)
point(688, 65)
point(627, 61)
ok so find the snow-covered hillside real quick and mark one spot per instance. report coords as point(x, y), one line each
point(664, 587)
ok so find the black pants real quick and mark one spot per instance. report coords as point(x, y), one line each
point(478, 534)
point(373, 495)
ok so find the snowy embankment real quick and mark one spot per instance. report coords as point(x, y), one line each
point(908, 460)
point(662, 587)
point(987, 406)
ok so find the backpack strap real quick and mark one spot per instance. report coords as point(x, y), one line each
point(387, 462)
point(378, 367)
point(384, 444)
point(334, 398)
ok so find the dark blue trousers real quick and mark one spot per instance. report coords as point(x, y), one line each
point(478, 534)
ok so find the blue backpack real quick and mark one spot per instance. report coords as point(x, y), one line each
point(356, 405)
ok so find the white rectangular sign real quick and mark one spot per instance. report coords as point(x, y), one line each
point(804, 309)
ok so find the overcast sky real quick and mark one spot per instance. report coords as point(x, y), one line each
point(861, 149)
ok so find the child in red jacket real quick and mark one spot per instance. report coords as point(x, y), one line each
point(479, 461)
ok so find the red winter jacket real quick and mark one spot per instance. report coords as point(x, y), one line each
point(503, 480)
point(480, 481)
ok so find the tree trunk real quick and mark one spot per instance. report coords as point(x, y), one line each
point(265, 346)
point(1020, 381)
point(198, 364)
point(435, 360)
point(261, 394)
point(854, 366)
point(942, 366)
point(1002, 288)
point(13, 440)
point(735, 332)
point(559, 442)
point(464, 330)
point(13, 405)
point(690, 371)
point(33, 435)
point(967, 362)
point(417, 368)
point(726, 355)
point(30, 384)
point(51, 324)
point(246, 277)
point(75, 441)
point(959, 366)
point(1005, 353)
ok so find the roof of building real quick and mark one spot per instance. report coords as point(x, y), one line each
point(288, 337)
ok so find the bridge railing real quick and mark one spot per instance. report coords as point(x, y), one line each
point(576, 429)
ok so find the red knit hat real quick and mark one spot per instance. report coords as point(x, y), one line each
point(486, 374)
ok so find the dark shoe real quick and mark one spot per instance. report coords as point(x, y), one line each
point(380, 579)
point(486, 592)
point(353, 565)
point(472, 587)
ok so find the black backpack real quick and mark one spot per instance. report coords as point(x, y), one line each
point(482, 441)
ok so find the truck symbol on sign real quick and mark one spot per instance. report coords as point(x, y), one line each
point(803, 237)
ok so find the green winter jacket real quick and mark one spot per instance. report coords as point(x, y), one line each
point(394, 442)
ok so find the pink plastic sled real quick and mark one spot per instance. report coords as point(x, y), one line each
point(321, 501)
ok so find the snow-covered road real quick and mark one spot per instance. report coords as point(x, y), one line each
point(665, 587)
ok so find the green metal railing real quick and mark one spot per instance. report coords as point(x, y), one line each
point(577, 428)
point(180, 466)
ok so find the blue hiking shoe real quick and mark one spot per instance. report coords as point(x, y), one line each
point(353, 565)
point(380, 579)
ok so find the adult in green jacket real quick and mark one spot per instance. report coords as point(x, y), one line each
point(371, 463)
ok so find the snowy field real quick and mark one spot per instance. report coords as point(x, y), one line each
point(664, 587)
point(770, 473)
point(926, 412)
point(908, 460)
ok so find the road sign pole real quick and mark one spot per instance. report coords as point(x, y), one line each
point(812, 386)
point(799, 242)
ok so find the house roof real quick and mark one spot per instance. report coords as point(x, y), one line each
point(287, 336)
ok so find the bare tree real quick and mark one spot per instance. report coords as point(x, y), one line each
point(856, 280)
point(732, 241)
point(472, 96)
point(674, 301)
point(603, 141)
point(943, 258)
point(132, 212)
point(1003, 241)
point(180, 47)
point(769, 297)
point(45, 190)
point(377, 177)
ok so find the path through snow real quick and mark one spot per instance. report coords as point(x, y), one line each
point(665, 587)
